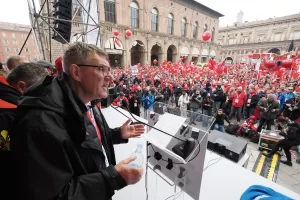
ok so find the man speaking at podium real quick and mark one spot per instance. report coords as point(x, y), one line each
point(62, 143)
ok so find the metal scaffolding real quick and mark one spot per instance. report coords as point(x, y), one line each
point(85, 26)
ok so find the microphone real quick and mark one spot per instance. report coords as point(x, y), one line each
point(145, 123)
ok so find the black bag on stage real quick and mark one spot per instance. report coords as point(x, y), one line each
point(232, 129)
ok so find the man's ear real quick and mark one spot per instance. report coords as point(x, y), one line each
point(21, 86)
point(74, 71)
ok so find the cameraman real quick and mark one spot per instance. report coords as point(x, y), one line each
point(291, 138)
point(292, 104)
point(195, 106)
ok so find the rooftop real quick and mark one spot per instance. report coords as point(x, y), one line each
point(14, 27)
point(262, 22)
point(205, 7)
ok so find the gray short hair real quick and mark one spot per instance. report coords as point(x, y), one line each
point(30, 73)
point(78, 53)
point(13, 61)
point(271, 96)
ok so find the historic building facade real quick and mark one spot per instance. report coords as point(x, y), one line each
point(274, 34)
point(161, 30)
point(12, 38)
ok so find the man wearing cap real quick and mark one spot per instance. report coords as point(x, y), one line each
point(49, 68)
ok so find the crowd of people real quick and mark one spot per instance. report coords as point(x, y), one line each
point(55, 139)
point(261, 99)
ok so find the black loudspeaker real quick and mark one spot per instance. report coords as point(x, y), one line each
point(62, 22)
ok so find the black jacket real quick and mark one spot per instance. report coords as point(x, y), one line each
point(8, 104)
point(56, 147)
point(295, 112)
point(220, 119)
point(219, 95)
point(254, 100)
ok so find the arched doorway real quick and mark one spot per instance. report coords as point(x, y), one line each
point(274, 50)
point(137, 53)
point(156, 53)
point(184, 53)
point(172, 53)
point(114, 49)
point(195, 55)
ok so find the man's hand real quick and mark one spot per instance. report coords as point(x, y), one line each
point(273, 110)
point(131, 131)
point(130, 174)
point(265, 109)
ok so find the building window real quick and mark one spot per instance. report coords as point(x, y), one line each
point(23, 36)
point(134, 9)
point(213, 34)
point(15, 42)
point(183, 27)
point(205, 28)
point(17, 50)
point(26, 50)
point(297, 35)
point(13, 35)
point(3, 34)
point(170, 24)
point(195, 30)
point(5, 42)
point(110, 11)
point(154, 20)
point(7, 49)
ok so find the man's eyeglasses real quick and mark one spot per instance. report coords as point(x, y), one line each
point(106, 70)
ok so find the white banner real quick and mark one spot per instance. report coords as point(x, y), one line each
point(134, 70)
point(257, 66)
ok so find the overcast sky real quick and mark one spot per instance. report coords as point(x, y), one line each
point(16, 11)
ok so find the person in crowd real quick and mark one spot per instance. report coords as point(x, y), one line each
point(207, 91)
point(228, 104)
point(148, 100)
point(195, 106)
point(239, 98)
point(159, 97)
point(280, 97)
point(177, 94)
point(291, 138)
point(248, 128)
point(49, 68)
point(218, 97)
point(11, 89)
point(59, 134)
point(269, 110)
point(220, 121)
point(207, 106)
point(291, 105)
point(252, 100)
point(167, 93)
point(121, 101)
point(183, 102)
point(15, 60)
point(139, 93)
point(134, 104)
point(281, 123)
point(3, 70)
point(290, 93)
